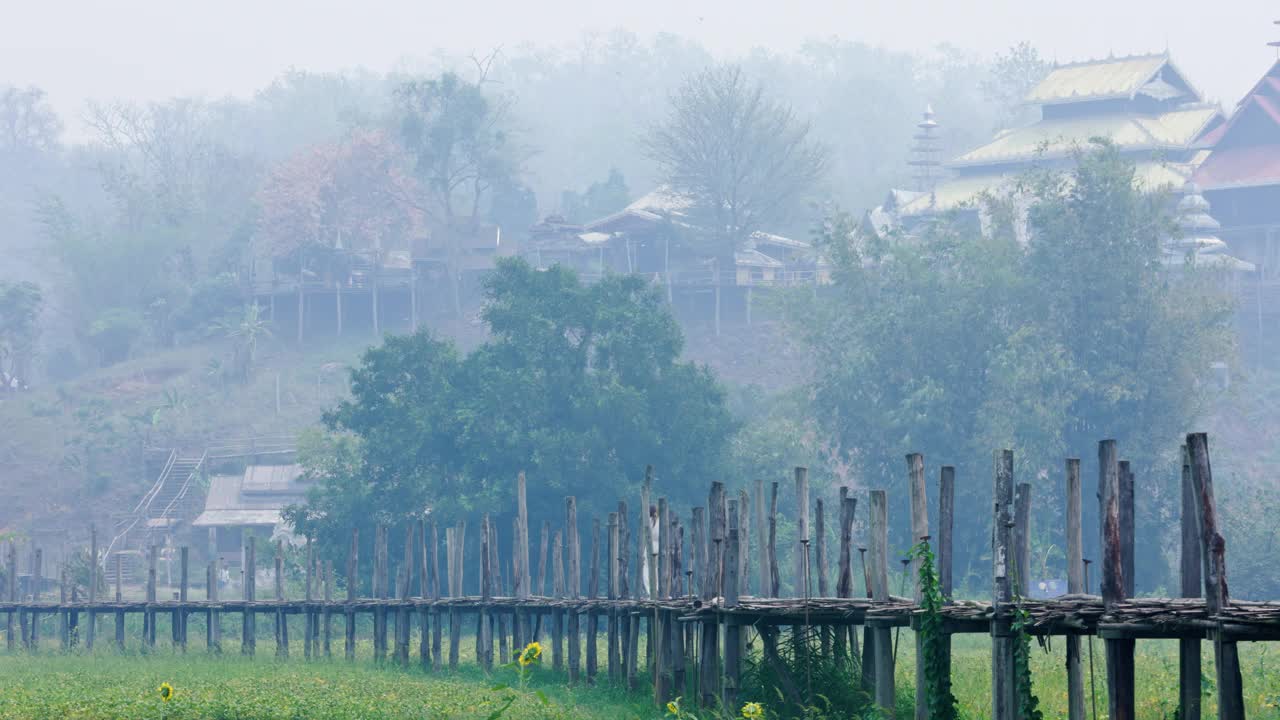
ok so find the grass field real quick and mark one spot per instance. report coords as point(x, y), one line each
point(80, 686)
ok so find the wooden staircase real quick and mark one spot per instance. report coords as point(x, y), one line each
point(174, 499)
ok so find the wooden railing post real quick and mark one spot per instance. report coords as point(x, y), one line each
point(883, 645)
point(1189, 665)
point(919, 531)
point(1120, 669)
point(1214, 564)
point(1075, 585)
point(1003, 705)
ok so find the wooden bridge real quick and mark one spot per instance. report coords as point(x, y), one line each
point(697, 605)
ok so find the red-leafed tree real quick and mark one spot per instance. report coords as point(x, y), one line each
point(332, 201)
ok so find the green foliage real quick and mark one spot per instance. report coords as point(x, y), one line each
point(936, 644)
point(210, 299)
point(114, 332)
point(801, 683)
point(1028, 702)
point(20, 305)
point(954, 341)
point(579, 385)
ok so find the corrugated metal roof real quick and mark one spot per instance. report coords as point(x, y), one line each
point(254, 498)
point(755, 258)
point(1047, 138)
point(1097, 80)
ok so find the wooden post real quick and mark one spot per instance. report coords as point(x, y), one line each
point(1213, 554)
point(801, 548)
point(557, 589)
point(437, 643)
point(919, 531)
point(629, 622)
point(484, 631)
point(820, 550)
point(328, 600)
point(1003, 700)
point(403, 581)
point(1127, 528)
point(248, 621)
point(744, 539)
point(1075, 584)
point(648, 559)
point(732, 630)
point(180, 615)
point(213, 618)
point(424, 589)
point(64, 620)
point(450, 542)
point(119, 598)
point(543, 545)
point(762, 540)
point(282, 619)
point(883, 644)
point(92, 630)
point(1189, 670)
point(149, 615)
point(593, 592)
point(11, 640)
point(846, 637)
point(1120, 669)
point(661, 652)
point(308, 625)
point(353, 581)
point(775, 581)
point(1022, 539)
point(574, 585)
point(524, 576)
point(712, 546)
point(381, 584)
point(614, 660)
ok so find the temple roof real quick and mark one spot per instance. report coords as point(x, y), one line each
point(1175, 130)
point(1112, 78)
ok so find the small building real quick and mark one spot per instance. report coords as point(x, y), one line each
point(251, 502)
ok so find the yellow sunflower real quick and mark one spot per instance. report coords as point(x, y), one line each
point(673, 707)
point(531, 652)
point(166, 692)
point(753, 711)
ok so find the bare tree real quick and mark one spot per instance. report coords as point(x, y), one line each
point(27, 122)
point(742, 159)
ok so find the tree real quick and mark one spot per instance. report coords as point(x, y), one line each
point(1013, 74)
point(956, 342)
point(461, 149)
point(600, 199)
point(20, 305)
point(332, 199)
point(579, 385)
point(27, 122)
point(741, 158)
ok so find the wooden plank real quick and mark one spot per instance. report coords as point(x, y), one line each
point(879, 561)
point(661, 652)
point(484, 629)
point(437, 631)
point(1214, 567)
point(1119, 652)
point(1075, 585)
point(716, 531)
point(648, 552)
point(525, 581)
point(744, 533)
point(820, 569)
point(1003, 704)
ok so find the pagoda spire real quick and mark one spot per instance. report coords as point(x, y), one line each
point(925, 153)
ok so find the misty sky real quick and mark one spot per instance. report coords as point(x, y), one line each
point(140, 50)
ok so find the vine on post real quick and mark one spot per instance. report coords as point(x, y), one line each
point(937, 665)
